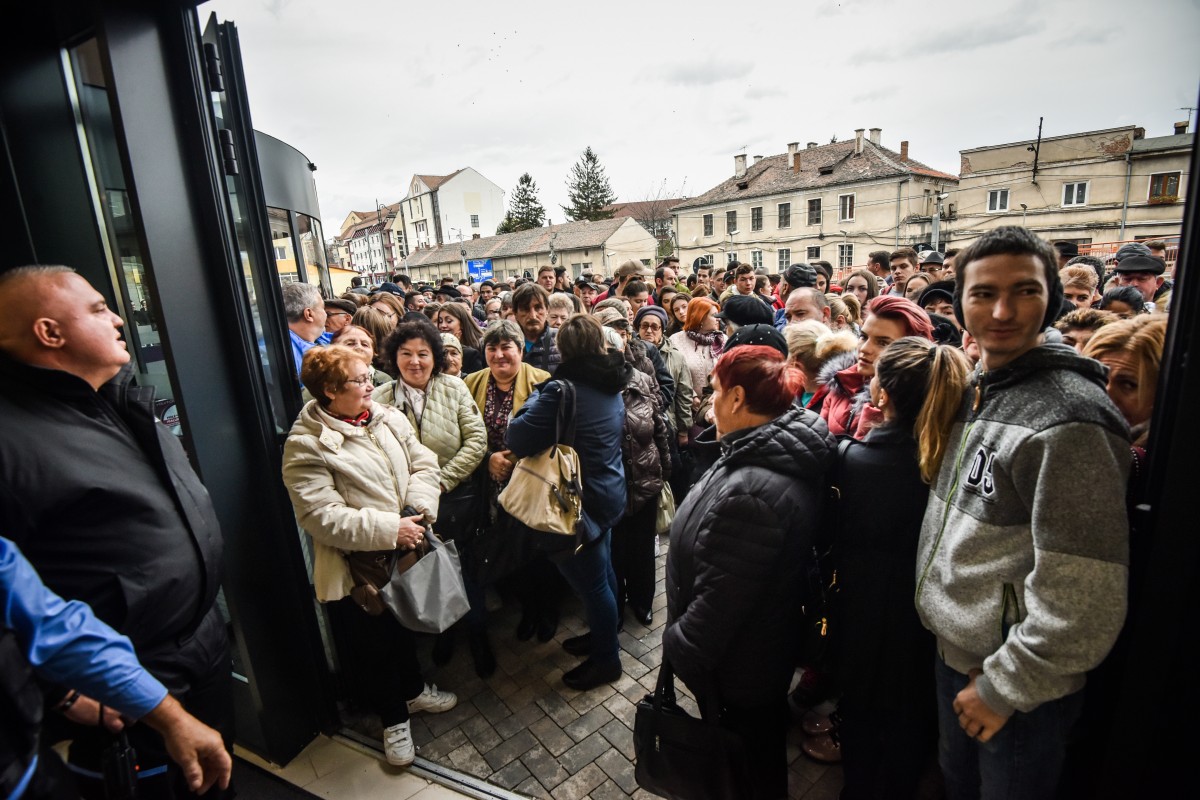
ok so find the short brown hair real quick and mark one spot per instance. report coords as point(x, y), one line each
point(580, 335)
point(327, 367)
point(524, 295)
point(743, 269)
point(904, 253)
point(544, 268)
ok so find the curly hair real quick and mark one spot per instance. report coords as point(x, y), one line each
point(407, 331)
point(327, 368)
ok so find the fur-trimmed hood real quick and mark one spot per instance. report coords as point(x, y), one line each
point(828, 374)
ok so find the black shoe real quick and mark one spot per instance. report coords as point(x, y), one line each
point(481, 654)
point(526, 627)
point(644, 617)
point(589, 675)
point(443, 647)
point(578, 645)
point(547, 626)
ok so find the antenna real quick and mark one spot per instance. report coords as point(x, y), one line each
point(1189, 109)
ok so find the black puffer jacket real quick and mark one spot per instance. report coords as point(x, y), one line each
point(738, 546)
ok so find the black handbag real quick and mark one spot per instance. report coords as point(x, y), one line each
point(681, 757)
point(459, 511)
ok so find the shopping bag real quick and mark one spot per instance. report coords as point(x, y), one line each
point(429, 596)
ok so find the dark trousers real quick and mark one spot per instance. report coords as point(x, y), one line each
point(763, 731)
point(886, 751)
point(633, 557)
point(383, 659)
point(209, 700)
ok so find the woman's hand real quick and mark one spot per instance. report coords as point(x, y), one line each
point(411, 532)
point(500, 466)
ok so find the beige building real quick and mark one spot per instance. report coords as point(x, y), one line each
point(582, 246)
point(835, 202)
point(445, 209)
point(1102, 186)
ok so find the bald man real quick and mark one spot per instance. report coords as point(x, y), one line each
point(102, 500)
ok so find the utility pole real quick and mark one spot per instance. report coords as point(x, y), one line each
point(937, 220)
point(1036, 150)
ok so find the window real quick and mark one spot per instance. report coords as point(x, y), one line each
point(785, 258)
point(785, 215)
point(756, 219)
point(845, 208)
point(280, 253)
point(1164, 187)
point(845, 255)
point(705, 261)
point(813, 253)
point(731, 258)
point(708, 225)
point(756, 258)
point(814, 212)
point(1075, 194)
point(731, 222)
point(474, 220)
point(997, 200)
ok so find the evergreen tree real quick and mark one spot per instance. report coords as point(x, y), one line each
point(588, 189)
point(525, 211)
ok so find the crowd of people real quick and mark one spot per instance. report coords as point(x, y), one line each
point(879, 529)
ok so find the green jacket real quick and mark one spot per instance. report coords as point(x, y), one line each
point(451, 425)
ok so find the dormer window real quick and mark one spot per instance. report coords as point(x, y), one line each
point(827, 170)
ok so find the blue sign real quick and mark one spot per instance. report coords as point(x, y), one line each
point(480, 269)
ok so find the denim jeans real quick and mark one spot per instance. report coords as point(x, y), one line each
point(590, 575)
point(1023, 760)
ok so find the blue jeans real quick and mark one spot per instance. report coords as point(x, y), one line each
point(590, 575)
point(1023, 760)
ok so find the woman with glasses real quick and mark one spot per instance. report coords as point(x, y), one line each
point(650, 325)
point(351, 466)
point(361, 341)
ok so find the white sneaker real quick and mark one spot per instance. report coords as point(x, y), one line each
point(398, 745)
point(433, 701)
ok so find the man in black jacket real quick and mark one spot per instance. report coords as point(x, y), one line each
point(103, 501)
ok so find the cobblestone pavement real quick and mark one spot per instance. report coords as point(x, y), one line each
point(523, 730)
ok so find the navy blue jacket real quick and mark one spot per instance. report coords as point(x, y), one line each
point(599, 422)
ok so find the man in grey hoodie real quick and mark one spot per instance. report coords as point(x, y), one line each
point(1021, 572)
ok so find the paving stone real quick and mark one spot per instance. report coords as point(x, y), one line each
point(502, 685)
point(512, 776)
point(519, 721)
point(481, 734)
point(551, 736)
point(588, 724)
point(441, 747)
point(797, 785)
point(467, 759)
point(491, 706)
point(653, 638)
point(829, 787)
point(420, 732)
point(577, 786)
point(440, 723)
point(631, 645)
point(584, 753)
point(660, 602)
point(545, 767)
point(558, 709)
point(588, 700)
point(811, 771)
point(620, 707)
point(632, 666)
point(620, 737)
point(504, 754)
point(652, 658)
point(619, 769)
point(531, 788)
point(525, 695)
point(608, 791)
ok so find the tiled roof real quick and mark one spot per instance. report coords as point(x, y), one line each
point(639, 209)
point(774, 175)
point(570, 236)
point(434, 181)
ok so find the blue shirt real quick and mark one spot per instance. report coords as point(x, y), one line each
point(299, 348)
point(67, 644)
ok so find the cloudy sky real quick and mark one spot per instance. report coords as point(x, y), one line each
point(666, 93)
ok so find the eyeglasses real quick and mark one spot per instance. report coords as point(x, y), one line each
point(649, 326)
point(339, 314)
point(363, 381)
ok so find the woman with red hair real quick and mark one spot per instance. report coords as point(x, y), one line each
point(740, 544)
point(847, 407)
point(700, 342)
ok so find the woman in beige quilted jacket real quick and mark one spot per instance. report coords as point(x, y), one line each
point(448, 422)
point(351, 465)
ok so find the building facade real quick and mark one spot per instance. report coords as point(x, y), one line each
point(836, 202)
point(1107, 185)
point(598, 247)
point(445, 209)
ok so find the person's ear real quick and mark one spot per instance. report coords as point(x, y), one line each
point(884, 398)
point(825, 312)
point(737, 398)
point(328, 393)
point(49, 333)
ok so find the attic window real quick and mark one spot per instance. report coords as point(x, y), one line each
point(743, 184)
point(826, 170)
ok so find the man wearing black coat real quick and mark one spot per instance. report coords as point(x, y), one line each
point(101, 498)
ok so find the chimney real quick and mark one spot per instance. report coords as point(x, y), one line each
point(904, 150)
point(739, 165)
point(811, 145)
point(1180, 128)
point(858, 137)
point(757, 159)
point(793, 160)
point(876, 133)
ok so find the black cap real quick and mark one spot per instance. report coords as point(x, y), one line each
point(800, 276)
point(932, 257)
point(760, 334)
point(746, 309)
point(450, 292)
point(1141, 264)
point(939, 289)
point(391, 288)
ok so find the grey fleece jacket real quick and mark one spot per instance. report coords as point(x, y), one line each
point(1022, 564)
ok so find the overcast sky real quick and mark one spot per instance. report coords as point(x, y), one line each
point(373, 91)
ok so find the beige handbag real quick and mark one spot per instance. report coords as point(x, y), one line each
point(545, 490)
